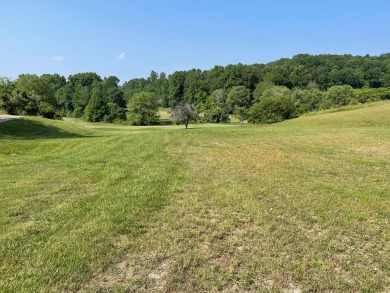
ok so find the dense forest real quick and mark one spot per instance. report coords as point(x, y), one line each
point(259, 93)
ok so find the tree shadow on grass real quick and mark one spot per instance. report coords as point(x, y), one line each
point(31, 129)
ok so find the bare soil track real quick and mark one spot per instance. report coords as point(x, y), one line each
point(6, 117)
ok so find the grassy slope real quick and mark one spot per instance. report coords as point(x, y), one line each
point(300, 205)
point(69, 193)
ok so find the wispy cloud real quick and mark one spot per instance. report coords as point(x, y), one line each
point(121, 56)
point(57, 58)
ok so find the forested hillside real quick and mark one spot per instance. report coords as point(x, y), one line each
point(261, 93)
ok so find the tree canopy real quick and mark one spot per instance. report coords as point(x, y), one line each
point(313, 81)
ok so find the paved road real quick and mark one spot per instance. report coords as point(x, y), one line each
point(6, 117)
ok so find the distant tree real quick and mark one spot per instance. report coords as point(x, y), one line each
point(347, 76)
point(216, 78)
point(57, 81)
point(217, 110)
point(143, 109)
point(6, 88)
point(84, 79)
point(260, 88)
point(192, 85)
point(238, 96)
point(279, 75)
point(234, 75)
point(29, 95)
point(201, 100)
point(184, 113)
point(32, 84)
point(385, 80)
point(114, 113)
point(64, 100)
point(321, 76)
point(16, 103)
point(163, 89)
point(151, 82)
point(374, 77)
point(276, 92)
point(80, 98)
point(112, 92)
point(176, 87)
point(80, 90)
point(241, 113)
point(96, 108)
point(46, 110)
point(300, 77)
point(133, 87)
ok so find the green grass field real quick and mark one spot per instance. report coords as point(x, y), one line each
point(298, 206)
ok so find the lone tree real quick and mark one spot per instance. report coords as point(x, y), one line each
point(241, 114)
point(184, 113)
point(143, 109)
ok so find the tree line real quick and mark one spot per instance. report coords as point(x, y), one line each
point(259, 93)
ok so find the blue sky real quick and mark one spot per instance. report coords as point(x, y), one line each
point(130, 38)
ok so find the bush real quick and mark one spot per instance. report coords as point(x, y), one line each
point(372, 94)
point(307, 100)
point(275, 105)
point(47, 111)
point(272, 109)
point(338, 96)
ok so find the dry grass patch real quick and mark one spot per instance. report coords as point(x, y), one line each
point(261, 212)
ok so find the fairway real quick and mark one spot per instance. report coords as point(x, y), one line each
point(297, 206)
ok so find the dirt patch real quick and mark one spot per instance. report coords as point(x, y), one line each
point(381, 151)
point(6, 117)
point(130, 272)
point(11, 154)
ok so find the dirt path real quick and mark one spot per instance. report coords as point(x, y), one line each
point(5, 117)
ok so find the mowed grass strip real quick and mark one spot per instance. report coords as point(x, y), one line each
point(73, 199)
point(303, 205)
